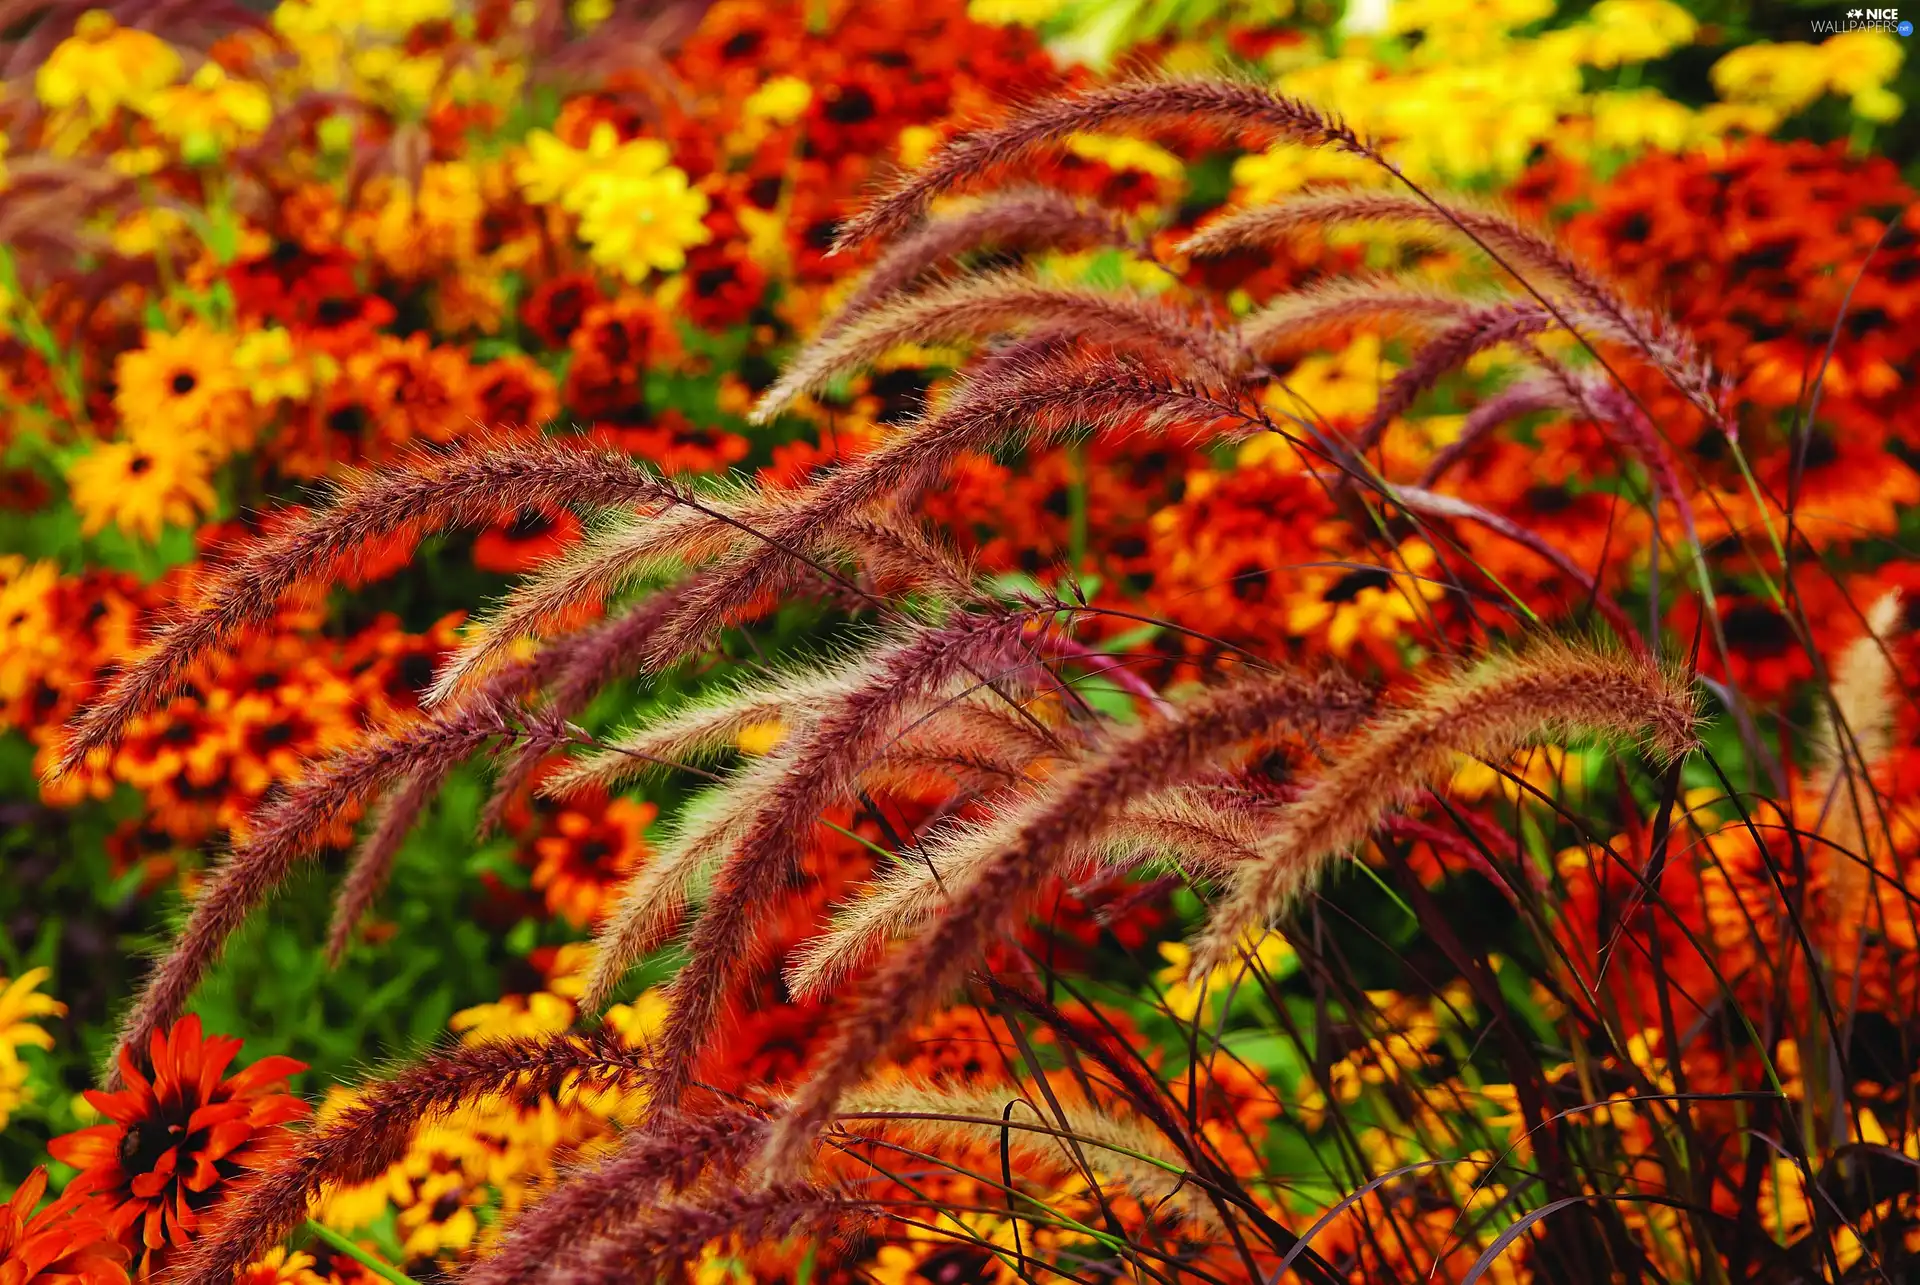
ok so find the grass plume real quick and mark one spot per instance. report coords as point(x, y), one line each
point(1196, 736)
point(374, 1132)
point(1490, 711)
point(425, 492)
point(1243, 110)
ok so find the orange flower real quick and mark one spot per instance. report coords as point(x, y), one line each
point(587, 853)
point(60, 1245)
point(525, 539)
point(174, 1141)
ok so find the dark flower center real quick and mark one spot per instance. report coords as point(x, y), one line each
point(184, 382)
point(145, 1141)
point(348, 420)
point(1251, 584)
point(851, 107)
point(528, 524)
point(139, 464)
point(1549, 499)
point(1758, 629)
point(1354, 583)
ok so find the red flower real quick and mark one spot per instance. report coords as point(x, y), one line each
point(60, 1245)
point(177, 1139)
point(525, 540)
point(586, 853)
point(556, 309)
point(726, 285)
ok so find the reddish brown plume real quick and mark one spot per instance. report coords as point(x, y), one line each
point(429, 491)
point(290, 829)
point(816, 768)
point(1244, 110)
point(658, 1248)
point(375, 1131)
point(1024, 218)
point(667, 1159)
point(1067, 814)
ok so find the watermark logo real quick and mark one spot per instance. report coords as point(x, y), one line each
point(1864, 20)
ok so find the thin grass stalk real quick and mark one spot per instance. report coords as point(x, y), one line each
point(428, 491)
point(374, 1133)
point(1490, 712)
point(1073, 808)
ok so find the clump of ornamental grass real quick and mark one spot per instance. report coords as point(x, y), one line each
point(969, 692)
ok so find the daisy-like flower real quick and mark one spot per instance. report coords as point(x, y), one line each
point(103, 65)
point(278, 1266)
point(20, 1003)
point(175, 1141)
point(141, 485)
point(57, 1246)
point(183, 383)
point(639, 225)
point(587, 853)
point(29, 643)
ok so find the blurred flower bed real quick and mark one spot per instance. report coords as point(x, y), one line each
point(240, 254)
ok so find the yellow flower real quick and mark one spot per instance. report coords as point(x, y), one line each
point(1623, 31)
point(1020, 13)
point(916, 145)
point(155, 479)
point(272, 370)
point(1792, 75)
point(278, 1266)
point(781, 101)
point(1345, 384)
point(553, 173)
point(636, 226)
point(13, 1088)
point(28, 642)
point(1129, 154)
point(184, 384)
point(210, 113)
point(441, 1217)
point(541, 1013)
point(1183, 997)
point(104, 65)
point(1376, 613)
point(19, 1004)
point(760, 738)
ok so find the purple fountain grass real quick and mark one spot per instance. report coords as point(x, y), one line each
point(1178, 824)
point(1472, 333)
point(1023, 218)
point(292, 827)
point(1522, 397)
point(1244, 109)
point(618, 552)
point(1433, 504)
point(373, 858)
point(1033, 400)
point(1062, 817)
point(1490, 711)
point(1863, 702)
point(375, 1131)
point(573, 670)
point(1520, 247)
point(981, 305)
point(621, 1189)
point(816, 767)
point(921, 1115)
point(1303, 317)
point(427, 491)
point(656, 1248)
